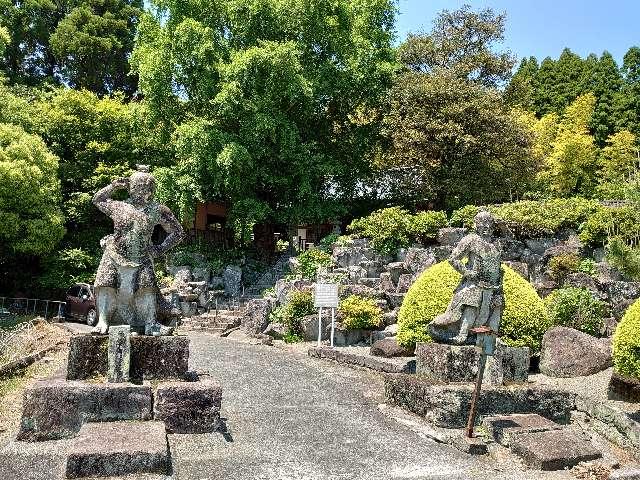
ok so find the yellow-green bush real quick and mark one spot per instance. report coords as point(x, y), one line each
point(626, 343)
point(524, 319)
point(360, 313)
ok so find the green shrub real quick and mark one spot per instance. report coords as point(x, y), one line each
point(463, 217)
point(388, 229)
point(626, 343)
point(299, 304)
point(360, 313)
point(562, 265)
point(310, 260)
point(424, 226)
point(588, 266)
point(576, 308)
point(326, 243)
point(625, 258)
point(524, 319)
point(608, 222)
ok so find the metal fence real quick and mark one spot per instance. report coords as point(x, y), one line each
point(10, 306)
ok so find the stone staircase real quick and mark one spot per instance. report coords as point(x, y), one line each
point(216, 322)
point(269, 278)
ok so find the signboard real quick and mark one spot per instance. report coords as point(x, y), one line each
point(326, 295)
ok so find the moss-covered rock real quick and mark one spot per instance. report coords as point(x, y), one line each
point(626, 343)
point(524, 320)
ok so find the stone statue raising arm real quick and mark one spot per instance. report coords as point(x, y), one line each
point(102, 199)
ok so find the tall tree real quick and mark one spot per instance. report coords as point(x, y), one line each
point(274, 101)
point(619, 160)
point(559, 82)
point(628, 104)
point(521, 89)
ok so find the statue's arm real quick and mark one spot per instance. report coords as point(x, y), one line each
point(102, 199)
point(172, 226)
point(458, 257)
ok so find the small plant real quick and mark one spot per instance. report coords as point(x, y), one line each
point(290, 337)
point(576, 308)
point(309, 262)
point(299, 304)
point(463, 217)
point(624, 257)
point(326, 244)
point(424, 226)
point(388, 229)
point(282, 246)
point(588, 266)
point(360, 313)
point(562, 265)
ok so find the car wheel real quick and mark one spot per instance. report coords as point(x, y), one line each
point(92, 317)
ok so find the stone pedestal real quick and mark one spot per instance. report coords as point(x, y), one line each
point(452, 363)
point(119, 354)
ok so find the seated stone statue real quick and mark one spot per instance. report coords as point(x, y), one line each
point(125, 283)
point(478, 300)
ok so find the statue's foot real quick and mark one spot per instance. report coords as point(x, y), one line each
point(100, 329)
point(157, 330)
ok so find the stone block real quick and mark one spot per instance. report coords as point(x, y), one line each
point(453, 363)
point(119, 353)
point(159, 357)
point(553, 449)
point(447, 405)
point(370, 282)
point(624, 388)
point(394, 299)
point(119, 448)
point(55, 409)
point(503, 427)
point(256, 315)
point(404, 282)
point(396, 269)
point(450, 235)
point(569, 353)
point(389, 347)
point(345, 338)
point(188, 407)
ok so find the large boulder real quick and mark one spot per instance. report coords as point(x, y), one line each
point(450, 235)
point(570, 353)
point(309, 326)
point(256, 315)
point(232, 280)
point(389, 347)
point(419, 259)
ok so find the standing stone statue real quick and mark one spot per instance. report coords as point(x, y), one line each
point(478, 300)
point(125, 284)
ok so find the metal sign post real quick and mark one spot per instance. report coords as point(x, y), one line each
point(486, 341)
point(326, 296)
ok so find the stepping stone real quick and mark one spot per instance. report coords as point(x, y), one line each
point(114, 449)
point(188, 407)
point(553, 449)
point(503, 427)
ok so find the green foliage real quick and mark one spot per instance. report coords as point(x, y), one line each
point(617, 162)
point(524, 319)
point(576, 308)
point(298, 305)
point(310, 261)
point(392, 228)
point(624, 257)
point(464, 217)
point(359, 313)
point(626, 343)
point(326, 243)
point(66, 267)
point(588, 266)
point(30, 212)
point(622, 222)
point(562, 265)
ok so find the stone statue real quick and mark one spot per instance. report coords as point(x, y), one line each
point(125, 284)
point(478, 300)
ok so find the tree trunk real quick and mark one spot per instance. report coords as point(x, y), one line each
point(264, 240)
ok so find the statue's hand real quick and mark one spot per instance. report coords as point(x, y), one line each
point(121, 183)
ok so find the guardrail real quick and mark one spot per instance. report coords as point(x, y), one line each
point(31, 306)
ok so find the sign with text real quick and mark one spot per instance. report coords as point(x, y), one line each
point(326, 295)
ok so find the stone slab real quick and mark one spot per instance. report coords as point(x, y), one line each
point(119, 448)
point(55, 409)
point(152, 358)
point(188, 407)
point(503, 427)
point(553, 449)
point(385, 365)
point(472, 446)
point(453, 363)
point(447, 405)
point(119, 353)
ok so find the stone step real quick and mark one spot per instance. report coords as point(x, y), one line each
point(503, 427)
point(115, 449)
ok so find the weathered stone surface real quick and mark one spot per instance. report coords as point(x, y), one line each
point(256, 315)
point(419, 259)
point(624, 388)
point(613, 423)
point(284, 287)
point(57, 409)
point(88, 357)
point(471, 446)
point(569, 353)
point(189, 309)
point(373, 267)
point(447, 405)
point(119, 354)
point(507, 365)
point(181, 274)
point(119, 448)
point(390, 318)
point(275, 330)
point(447, 363)
point(309, 326)
point(553, 449)
point(404, 282)
point(202, 274)
point(151, 357)
point(345, 338)
point(450, 235)
point(389, 347)
point(370, 282)
point(582, 280)
point(157, 358)
point(396, 269)
point(386, 284)
point(520, 267)
point(360, 290)
point(188, 407)
point(348, 256)
point(232, 276)
point(503, 427)
point(626, 473)
point(394, 299)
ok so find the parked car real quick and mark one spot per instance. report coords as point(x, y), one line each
point(81, 304)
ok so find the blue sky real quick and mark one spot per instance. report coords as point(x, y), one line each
point(544, 27)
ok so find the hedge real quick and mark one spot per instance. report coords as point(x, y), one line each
point(626, 343)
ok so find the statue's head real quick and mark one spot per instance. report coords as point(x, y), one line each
point(142, 185)
point(484, 223)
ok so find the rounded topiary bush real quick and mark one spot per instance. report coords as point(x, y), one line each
point(360, 313)
point(626, 343)
point(524, 320)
